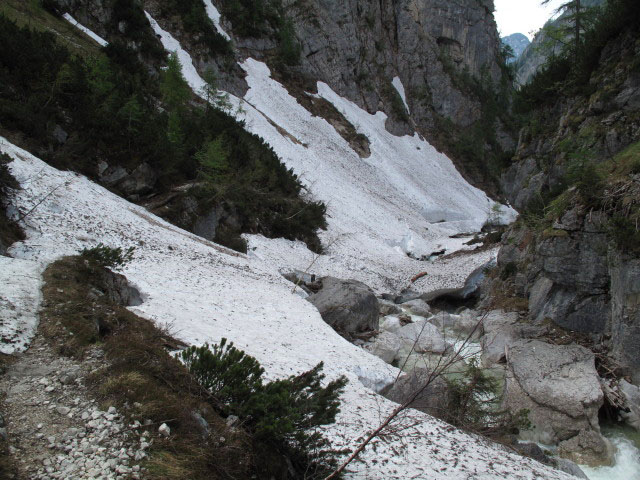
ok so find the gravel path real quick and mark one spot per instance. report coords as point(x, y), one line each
point(56, 430)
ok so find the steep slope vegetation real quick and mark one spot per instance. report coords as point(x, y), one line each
point(574, 252)
point(115, 115)
point(447, 56)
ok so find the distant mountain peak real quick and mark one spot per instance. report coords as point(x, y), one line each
point(518, 42)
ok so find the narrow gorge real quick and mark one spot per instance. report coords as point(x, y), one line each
point(290, 239)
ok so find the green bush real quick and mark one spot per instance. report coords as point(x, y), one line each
point(474, 404)
point(109, 107)
point(570, 73)
point(625, 234)
point(108, 257)
point(588, 180)
point(281, 415)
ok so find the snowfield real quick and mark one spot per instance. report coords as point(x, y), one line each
point(405, 198)
point(206, 292)
point(94, 36)
point(19, 303)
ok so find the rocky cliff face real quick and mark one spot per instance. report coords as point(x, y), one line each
point(445, 55)
point(572, 171)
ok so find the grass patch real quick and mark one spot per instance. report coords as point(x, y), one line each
point(141, 378)
point(30, 14)
point(150, 385)
point(626, 162)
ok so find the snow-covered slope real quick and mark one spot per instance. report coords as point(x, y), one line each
point(205, 292)
point(19, 303)
point(405, 198)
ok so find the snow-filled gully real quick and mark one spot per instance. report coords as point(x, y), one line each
point(379, 210)
point(204, 292)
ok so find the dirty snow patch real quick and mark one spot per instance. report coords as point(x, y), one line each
point(397, 84)
point(406, 199)
point(206, 292)
point(214, 15)
point(172, 45)
point(20, 282)
point(97, 38)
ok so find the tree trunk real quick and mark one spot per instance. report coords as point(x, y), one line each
point(578, 27)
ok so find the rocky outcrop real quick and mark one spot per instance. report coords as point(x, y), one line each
point(560, 387)
point(631, 397)
point(118, 289)
point(518, 42)
point(431, 392)
point(500, 333)
point(387, 346)
point(349, 306)
point(625, 313)
point(565, 259)
point(424, 337)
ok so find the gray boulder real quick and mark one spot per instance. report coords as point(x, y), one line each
point(433, 399)
point(464, 324)
point(426, 336)
point(587, 448)
point(386, 346)
point(500, 332)
point(567, 466)
point(349, 306)
point(388, 307)
point(391, 324)
point(560, 387)
point(631, 396)
point(418, 307)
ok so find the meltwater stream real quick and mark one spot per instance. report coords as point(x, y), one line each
point(627, 459)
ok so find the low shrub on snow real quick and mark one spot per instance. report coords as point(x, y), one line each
point(281, 415)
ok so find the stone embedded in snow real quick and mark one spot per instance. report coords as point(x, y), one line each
point(349, 306)
point(386, 346)
point(425, 335)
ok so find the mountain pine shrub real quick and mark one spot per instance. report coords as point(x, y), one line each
point(108, 257)
point(282, 416)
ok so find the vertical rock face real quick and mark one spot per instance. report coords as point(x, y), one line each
point(358, 50)
point(567, 260)
point(625, 302)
